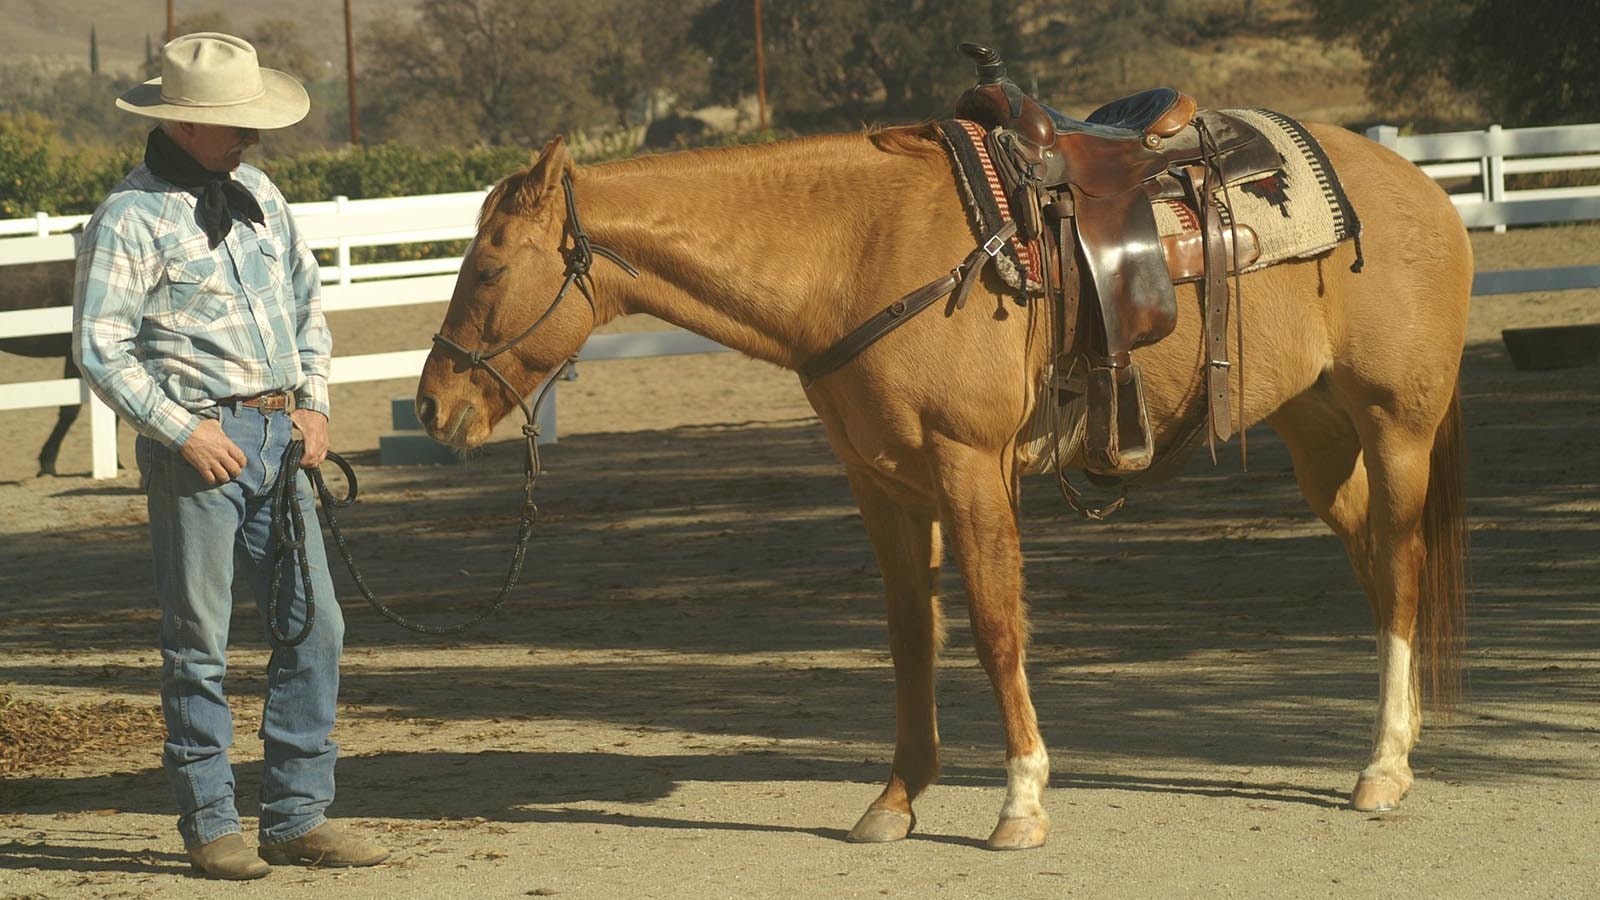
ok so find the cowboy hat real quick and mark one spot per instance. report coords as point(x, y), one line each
point(215, 79)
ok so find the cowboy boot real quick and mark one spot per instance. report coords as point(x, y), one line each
point(227, 858)
point(325, 845)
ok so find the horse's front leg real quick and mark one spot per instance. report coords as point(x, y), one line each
point(978, 505)
point(905, 539)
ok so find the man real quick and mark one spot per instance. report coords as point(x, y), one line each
point(197, 318)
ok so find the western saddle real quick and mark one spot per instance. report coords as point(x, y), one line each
point(1082, 191)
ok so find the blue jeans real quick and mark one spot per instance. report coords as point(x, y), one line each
point(199, 533)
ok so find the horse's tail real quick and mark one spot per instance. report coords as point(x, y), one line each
point(1443, 602)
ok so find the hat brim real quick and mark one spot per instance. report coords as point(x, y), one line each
point(283, 103)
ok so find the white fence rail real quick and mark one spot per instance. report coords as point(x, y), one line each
point(339, 225)
point(1475, 165)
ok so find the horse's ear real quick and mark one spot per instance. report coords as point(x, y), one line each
point(544, 174)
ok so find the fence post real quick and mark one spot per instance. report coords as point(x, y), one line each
point(42, 223)
point(342, 257)
point(1387, 135)
point(102, 433)
point(1494, 172)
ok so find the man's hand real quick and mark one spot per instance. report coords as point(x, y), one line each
point(217, 458)
point(314, 431)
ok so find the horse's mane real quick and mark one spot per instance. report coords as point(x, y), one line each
point(902, 140)
point(921, 139)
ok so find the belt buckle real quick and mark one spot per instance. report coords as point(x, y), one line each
point(270, 402)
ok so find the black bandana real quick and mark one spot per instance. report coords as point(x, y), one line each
point(220, 197)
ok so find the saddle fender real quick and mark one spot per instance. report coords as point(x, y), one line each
point(1121, 247)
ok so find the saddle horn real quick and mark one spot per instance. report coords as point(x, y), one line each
point(995, 99)
point(991, 69)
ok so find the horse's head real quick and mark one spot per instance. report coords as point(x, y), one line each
point(518, 311)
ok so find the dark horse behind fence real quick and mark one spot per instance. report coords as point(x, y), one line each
point(37, 286)
point(783, 250)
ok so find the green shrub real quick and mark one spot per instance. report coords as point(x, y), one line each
point(40, 171)
point(390, 170)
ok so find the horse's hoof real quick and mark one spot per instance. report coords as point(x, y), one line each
point(880, 826)
point(1377, 794)
point(1019, 833)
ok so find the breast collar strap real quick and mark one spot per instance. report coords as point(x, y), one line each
point(959, 280)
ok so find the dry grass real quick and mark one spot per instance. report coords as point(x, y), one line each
point(36, 735)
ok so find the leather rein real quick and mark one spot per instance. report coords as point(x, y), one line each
point(288, 523)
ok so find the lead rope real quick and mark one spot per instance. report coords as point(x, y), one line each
point(285, 496)
point(288, 530)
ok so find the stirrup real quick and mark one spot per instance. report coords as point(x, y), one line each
point(1119, 439)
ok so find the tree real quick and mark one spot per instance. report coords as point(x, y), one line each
point(837, 63)
point(1433, 62)
point(280, 45)
point(481, 71)
point(643, 60)
point(1532, 62)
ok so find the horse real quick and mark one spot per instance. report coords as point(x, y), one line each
point(779, 250)
point(37, 286)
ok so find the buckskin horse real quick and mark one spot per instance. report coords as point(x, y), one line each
point(779, 250)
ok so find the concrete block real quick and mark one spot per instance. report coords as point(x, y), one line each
point(1553, 347)
point(413, 449)
point(403, 414)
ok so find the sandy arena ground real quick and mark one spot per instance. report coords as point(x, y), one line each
point(690, 696)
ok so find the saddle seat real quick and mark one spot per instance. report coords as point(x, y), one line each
point(1160, 111)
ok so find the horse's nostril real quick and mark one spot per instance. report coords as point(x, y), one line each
point(426, 409)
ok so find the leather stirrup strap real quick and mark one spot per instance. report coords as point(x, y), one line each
point(1071, 286)
point(1214, 296)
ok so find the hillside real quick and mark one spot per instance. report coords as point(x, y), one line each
point(1278, 65)
point(56, 32)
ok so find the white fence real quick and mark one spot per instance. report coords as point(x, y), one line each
point(339, 225)
point(1477, 162)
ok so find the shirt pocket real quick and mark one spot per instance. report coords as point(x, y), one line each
point(274, 272)
point(198, 297)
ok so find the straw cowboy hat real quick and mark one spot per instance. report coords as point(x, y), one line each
point(215, 79)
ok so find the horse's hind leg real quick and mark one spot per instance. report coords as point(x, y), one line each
point(978, 507)
point(905, 540)
point(1366, 475)
point(52, 444)
point(1396, 452)
point(65, 416)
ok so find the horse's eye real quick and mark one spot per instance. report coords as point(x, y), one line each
point(490, 276)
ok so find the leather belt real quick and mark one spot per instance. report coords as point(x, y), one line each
point(269, 402)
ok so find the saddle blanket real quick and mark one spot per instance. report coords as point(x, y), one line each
point(1310, 216)
point(1296, 212)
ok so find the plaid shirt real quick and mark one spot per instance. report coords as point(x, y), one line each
point(164, 326)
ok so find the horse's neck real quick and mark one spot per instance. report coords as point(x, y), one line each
point(756, 248)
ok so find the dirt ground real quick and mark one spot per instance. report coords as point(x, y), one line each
point(690, 695)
